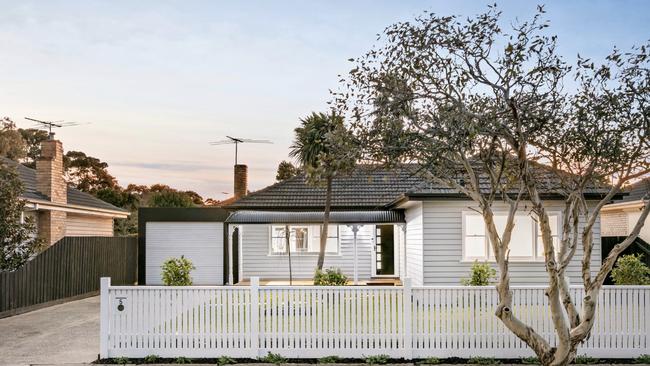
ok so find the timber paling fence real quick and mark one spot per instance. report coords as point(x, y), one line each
point(71, 268)
point(351, 321)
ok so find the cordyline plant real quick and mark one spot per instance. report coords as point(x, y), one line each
point(489, 112)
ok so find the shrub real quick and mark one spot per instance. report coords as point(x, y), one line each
point(430, 361)
point(273, 358)
point(331, 277)
point(182, 360)
point(225, 360)
point(585, 360)
point(630, 270)
point(176, 272)
point(377, 360)
point(151, 359)
point(121, 360)
point(329, 359)
point(481, 275)
point(643, 359)
point(483, 361)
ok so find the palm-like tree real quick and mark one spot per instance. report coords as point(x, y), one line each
point(314, 151)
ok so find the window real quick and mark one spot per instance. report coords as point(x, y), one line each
point(525, 243)
point(303, 239)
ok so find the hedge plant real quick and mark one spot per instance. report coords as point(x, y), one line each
point(176, 272)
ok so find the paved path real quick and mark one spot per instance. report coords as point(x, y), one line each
point(66, 333)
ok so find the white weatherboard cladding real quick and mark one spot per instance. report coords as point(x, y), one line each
point(413, 255)
point(256, 260)
point(201, 242)
point(443, 244)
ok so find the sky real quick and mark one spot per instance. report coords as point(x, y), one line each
point(158, 80)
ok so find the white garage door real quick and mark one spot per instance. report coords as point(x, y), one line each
point(201, 242)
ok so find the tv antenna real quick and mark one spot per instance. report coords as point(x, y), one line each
point(48, 125)
point(236, 140)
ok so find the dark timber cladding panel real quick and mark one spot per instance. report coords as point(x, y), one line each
point(70, 268)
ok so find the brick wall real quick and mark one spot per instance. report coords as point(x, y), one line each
point(614, 223)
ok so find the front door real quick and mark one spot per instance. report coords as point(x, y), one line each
point(384, 253)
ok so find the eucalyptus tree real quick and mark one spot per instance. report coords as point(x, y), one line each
point(498, 115)
point(320, 147)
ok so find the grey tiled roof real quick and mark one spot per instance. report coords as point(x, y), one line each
point(636, 191)
point(75, 197)
point(369, 188)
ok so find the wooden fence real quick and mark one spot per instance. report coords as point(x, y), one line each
point(351, 321)
point(69, 269)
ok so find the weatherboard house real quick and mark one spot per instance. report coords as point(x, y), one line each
point(59, 210)
point(386, 225)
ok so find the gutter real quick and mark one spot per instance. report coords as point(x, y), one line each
point(630, 205)
point(48, 205)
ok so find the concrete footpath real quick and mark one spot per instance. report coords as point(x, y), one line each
point(61, 334)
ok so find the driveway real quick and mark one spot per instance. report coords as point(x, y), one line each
point(66, 333)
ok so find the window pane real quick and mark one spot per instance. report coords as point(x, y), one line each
point(300, 238)
point(474, 247)
point(278, 245)
point(521, 242)
point(474, 225)
point(332, 245)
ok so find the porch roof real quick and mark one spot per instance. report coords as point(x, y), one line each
point(309, 217)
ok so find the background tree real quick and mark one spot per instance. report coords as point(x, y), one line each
point(87, 173)
point(316, 146)
point(18, 240)
point(484, 111)
point(170, 198)
point(12, 144)
point(33, 139)
point(286, 170)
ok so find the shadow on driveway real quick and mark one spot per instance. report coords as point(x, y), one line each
point(65, 333)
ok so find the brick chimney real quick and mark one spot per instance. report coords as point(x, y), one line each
point(50, 182)
point(241, 181)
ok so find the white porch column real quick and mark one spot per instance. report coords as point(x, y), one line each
point(355, 230)
point(231, 229)
point(402, 253)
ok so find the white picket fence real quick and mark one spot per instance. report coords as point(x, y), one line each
point(307, 321)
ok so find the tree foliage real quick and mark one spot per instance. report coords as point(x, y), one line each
point(286, 170)
point(87, 173)
point(18, 240)
point(485, 110)
point(33, 138)
point(12, 144)
point(320, 147)
point(630, 270)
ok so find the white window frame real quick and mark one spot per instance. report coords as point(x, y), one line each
point(310, 228)
point(537, 257)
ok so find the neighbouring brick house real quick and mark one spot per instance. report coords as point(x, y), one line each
point(58, 209)
point(619, 217)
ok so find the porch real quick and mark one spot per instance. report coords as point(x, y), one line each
point(281, 248)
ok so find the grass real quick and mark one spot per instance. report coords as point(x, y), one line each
point(585, 360)
point(377, 360)
point(273, 358)
point(225, 360)
point(530, 361)
point(643, 359)
point(329, 359)
point(430, 361)
point(151, 359)
point(483, 361)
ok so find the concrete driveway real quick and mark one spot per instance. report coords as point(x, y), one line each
point(66, 333)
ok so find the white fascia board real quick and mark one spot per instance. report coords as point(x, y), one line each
point(51, 206)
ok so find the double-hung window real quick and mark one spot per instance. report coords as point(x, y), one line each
point(525, 243)
point(303, 239)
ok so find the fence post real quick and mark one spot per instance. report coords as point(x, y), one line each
point(255, 320)
point(105, 283)
point(407, 304)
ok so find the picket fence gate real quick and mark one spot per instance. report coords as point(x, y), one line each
point(351, 321)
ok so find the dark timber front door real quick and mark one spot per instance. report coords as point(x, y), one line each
point(235, 255)
point(384, 250)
